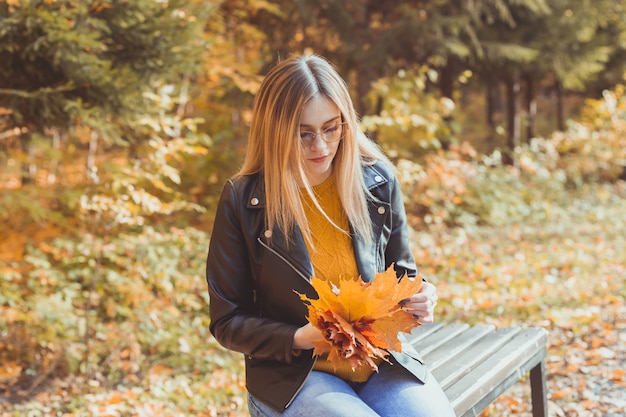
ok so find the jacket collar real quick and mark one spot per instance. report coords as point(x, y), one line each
point(372, 176)
point(295, 252)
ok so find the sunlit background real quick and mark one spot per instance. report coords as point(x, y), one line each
point(120, 121)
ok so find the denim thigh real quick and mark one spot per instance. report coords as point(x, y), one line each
point(322, 394)
point(391, 392)
point(395, 392)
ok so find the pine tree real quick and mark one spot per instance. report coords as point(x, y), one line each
point(574, 43)
point(518, 44)
point(568, 42)
point(89, 63)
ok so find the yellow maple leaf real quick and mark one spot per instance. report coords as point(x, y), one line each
point(361, 321)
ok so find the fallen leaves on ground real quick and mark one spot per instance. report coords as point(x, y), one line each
point(565, 273)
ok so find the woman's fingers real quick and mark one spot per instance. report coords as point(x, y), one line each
point(422, 305)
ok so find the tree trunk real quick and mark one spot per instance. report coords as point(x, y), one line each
point(54, 161)
point(363, 83)
point(446, 81)
point(183, 98)
point(492, 100)
point(363, 67)
point(491, 105)
point(513, 118)
point(531, 108)
point(446, 89)
point(560, 113)
point(29, 169)
point(93, 151)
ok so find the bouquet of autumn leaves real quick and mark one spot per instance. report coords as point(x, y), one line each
point(360, 321)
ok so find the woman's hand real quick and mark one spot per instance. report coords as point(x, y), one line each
point(422, 305)
point(305, 336)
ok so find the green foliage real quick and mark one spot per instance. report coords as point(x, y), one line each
point(581, 40)
point(571, 42)
point(411, 121)
point(457, 188)
point(460, 187)
point(124, 310)
point(87, 62)
point(159, 182)
point(120, 301)
point(594, 148)
point(14, 202)
point(145, 189)
point(370, 39)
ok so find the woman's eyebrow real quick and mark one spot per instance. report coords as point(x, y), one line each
point(323, 124)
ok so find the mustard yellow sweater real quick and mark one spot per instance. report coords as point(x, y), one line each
point(332, 256)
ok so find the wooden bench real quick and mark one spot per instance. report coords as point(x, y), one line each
point(476, 364)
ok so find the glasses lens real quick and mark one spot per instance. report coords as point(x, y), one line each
point(333, 133)
point(330, 134)
point(307, 137)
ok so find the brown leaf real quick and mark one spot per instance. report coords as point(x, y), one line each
point(361, 321)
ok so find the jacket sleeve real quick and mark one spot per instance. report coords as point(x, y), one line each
point(398, 250)
point(235, 320)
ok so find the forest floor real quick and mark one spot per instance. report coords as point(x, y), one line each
point(565, 273)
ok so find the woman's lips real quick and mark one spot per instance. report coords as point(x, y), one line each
point(318, 160)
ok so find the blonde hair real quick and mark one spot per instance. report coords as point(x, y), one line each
point(274, 144)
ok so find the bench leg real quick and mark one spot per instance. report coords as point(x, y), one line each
point(538, 390)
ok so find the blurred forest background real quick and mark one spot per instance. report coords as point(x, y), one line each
point(120, 120)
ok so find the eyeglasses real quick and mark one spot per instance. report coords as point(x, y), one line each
point(331, 134)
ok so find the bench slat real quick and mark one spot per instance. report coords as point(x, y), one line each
point(423, 331)
point(483, 384)
point(456, 346)
point(477, 408)
point(456, 367)
point(438, 338)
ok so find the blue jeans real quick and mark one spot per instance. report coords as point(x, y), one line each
point(392, 392)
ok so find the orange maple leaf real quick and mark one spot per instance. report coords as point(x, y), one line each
point(360, 321)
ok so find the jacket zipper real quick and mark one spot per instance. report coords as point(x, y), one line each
point(283, 259)
point(307, 280)
point(302, 384)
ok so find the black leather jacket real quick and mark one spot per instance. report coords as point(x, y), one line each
point(253, 276)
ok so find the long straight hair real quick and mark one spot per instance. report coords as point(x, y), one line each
point(274, 147)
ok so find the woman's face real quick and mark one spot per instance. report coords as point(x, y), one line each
point(319, 115)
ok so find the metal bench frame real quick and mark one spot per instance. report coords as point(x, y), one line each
point(476, 364)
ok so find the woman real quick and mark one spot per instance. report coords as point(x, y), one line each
point(315, 197)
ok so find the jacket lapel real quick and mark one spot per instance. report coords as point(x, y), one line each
point(367, 257)
point(294, 253)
